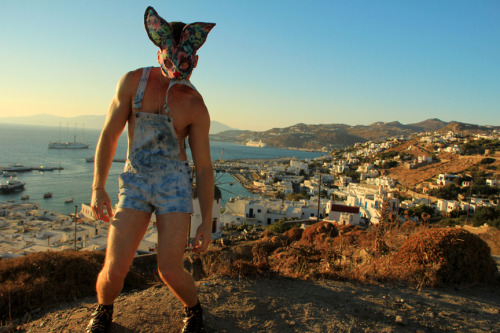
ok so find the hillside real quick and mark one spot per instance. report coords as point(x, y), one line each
point(331, 136)
point(290, 282)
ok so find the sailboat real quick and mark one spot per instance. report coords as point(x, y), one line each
point(68, 145)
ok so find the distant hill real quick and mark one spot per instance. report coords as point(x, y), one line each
point(340, 135)
point(91, 121)
point(42, 119)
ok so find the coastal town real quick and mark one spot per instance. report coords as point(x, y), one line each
point(433, 177)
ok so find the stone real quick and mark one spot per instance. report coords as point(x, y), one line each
point(400, 320)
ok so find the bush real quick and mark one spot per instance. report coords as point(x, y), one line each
point(448, 192)
point(442, 256)
point(47, 278)
point(488, 215)
point(279, 227)
point(487, 160)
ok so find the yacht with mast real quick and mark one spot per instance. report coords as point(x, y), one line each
point(68, 145)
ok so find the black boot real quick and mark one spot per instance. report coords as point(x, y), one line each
point(101, 319)
point(193, 320)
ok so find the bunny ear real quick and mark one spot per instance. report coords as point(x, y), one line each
point(159, 30)
point(194, 35)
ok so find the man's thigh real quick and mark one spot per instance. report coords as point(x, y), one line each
point(172, 238)
point(124, 236)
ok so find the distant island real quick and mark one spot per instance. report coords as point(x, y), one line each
point(90, 121)
point(331, 136)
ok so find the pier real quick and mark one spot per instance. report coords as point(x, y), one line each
point(22, 168)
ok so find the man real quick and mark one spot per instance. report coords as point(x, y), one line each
point(161, 108)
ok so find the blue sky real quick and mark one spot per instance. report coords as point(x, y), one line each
point(267, 63)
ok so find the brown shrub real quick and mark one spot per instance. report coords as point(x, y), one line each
point(293, 235)
point(317, 233)
point(409, 226)
point(46, 278)
point(347, 228)
point(240, 268)
point(443, 256)
point(267, 233)
point(296, 262)
point(261, 252)
point(351, 237)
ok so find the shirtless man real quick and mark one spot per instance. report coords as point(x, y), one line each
point(161, 108)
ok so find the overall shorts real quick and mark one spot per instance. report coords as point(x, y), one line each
point(155, 179)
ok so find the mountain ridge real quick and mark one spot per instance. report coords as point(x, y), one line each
point(89, 121)
point(329, 136)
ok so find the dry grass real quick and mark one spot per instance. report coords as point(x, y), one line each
point(47, 278)
point(413, 254)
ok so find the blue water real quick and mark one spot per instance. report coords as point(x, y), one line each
point(27, 145)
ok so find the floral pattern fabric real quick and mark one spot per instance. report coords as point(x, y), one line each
point(193, 36)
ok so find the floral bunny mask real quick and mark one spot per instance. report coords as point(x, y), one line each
point(176, 60)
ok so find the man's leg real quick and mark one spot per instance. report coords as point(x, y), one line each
point(172, 240)
point(124, 236)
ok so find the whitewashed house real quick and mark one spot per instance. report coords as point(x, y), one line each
point(342, 214)
point(446, 206)
point(445, 179)
point(492, 182)
point(196, 219)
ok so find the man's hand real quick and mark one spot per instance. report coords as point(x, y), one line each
point(100, 199)
point(203, 238)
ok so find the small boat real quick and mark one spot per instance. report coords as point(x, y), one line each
point(11, 186)
point(47, 195)
point(9, 174)
point(25, 197)
point(68, 200)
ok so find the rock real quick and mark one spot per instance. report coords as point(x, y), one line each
point(400, 320)
point(292, 323)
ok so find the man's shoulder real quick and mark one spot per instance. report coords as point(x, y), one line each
point(129, 81)
point(133, 75)
point(189, 98)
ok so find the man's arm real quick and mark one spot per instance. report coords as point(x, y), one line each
point(200, 149)
point(116, 119)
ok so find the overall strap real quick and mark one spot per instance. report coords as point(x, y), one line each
point(185, 82)
point(141, 88)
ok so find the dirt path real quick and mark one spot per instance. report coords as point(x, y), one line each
point(287, 305)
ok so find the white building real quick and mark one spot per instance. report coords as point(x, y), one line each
point(267, 211)
point(342, 214)
point(445, 179)
point(446, 206)
point(297, 165)
point(492, 182)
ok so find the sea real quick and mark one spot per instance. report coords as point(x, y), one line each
point(28, 145)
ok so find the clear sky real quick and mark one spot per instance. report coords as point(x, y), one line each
point(267, 63)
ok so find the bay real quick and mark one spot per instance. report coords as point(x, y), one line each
point(28, 145)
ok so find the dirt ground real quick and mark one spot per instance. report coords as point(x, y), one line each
point(289, 305)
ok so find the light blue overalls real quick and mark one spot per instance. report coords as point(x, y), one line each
point(155, 179)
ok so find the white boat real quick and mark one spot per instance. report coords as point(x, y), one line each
point(67, 145)
point(68, 200)
point(25, 197)
point(11, 186)
point(252, 143)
